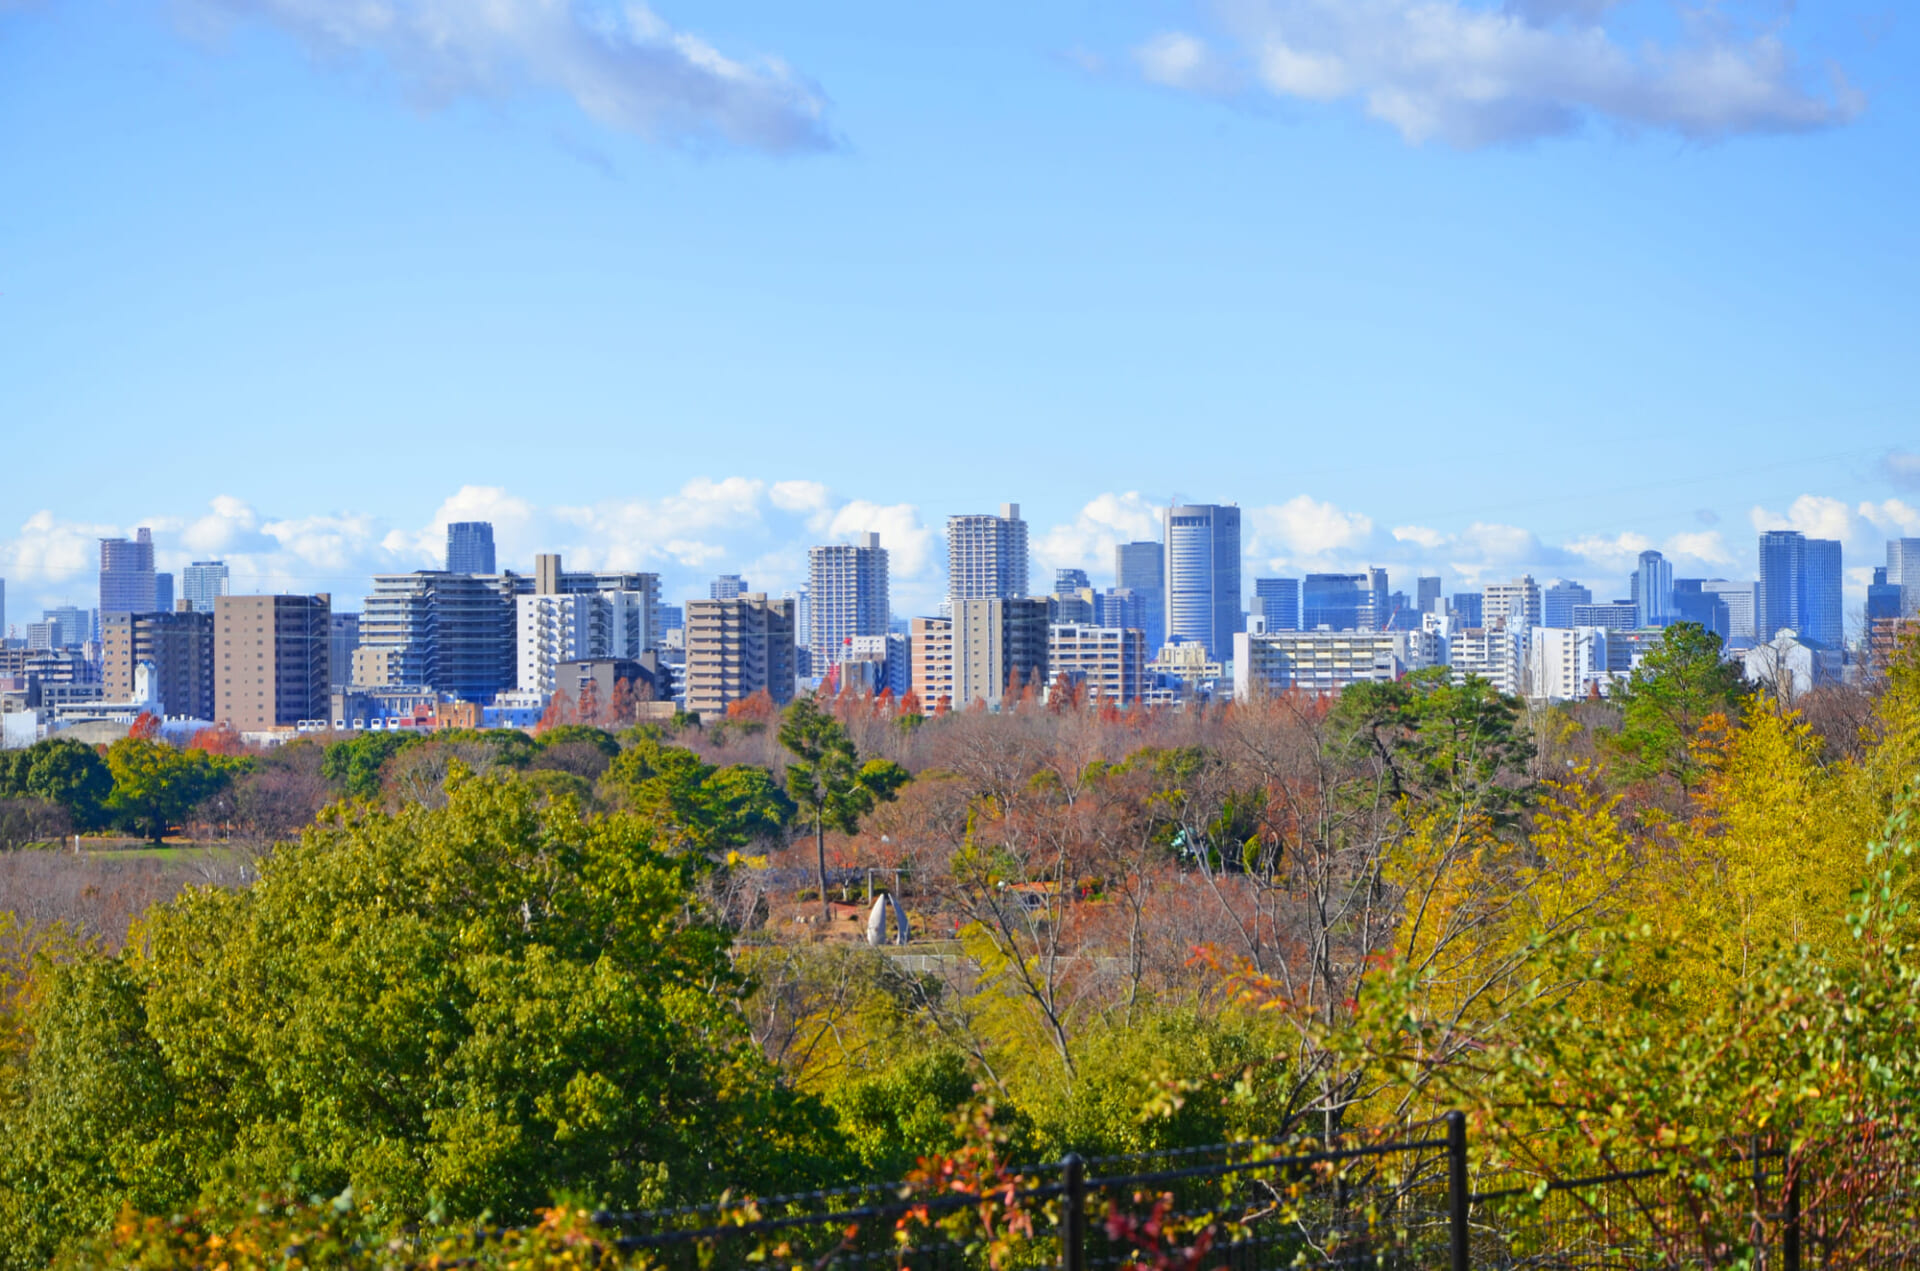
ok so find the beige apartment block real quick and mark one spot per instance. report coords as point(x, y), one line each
point(932, 645)
point(271, 655)
point(737, 647)
point(179, 647)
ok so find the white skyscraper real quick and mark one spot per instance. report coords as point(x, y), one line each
point(986, 556)
point(203, 582)
point(846, 596)
point(1203, 576)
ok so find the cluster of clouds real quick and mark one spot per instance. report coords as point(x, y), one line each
point(622, 65)
point(762, 530)
point(1474, 74)
point(1464, 72)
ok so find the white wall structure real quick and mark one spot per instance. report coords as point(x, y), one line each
point(1495, 654)
point(1567, 664)
point(1326, 661)
point(553, 629)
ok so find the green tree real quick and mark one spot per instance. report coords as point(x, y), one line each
point(156, 785)
point(826, 779)
point(472, 1008)
point(693, 806)
point(1458, 745)
point(60, 771)
point(356, 763)
point(1681, 683)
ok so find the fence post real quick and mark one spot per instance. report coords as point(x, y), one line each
point(1457, 1189)
point(1790, 1241)
point(1073, 1228)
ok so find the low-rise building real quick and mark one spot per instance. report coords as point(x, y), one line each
point(1267, 662)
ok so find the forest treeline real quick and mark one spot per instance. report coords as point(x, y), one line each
point(495, 971)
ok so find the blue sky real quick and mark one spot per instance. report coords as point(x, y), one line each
point(1444, 285)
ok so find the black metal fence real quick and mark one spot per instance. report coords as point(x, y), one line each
point(1404, 1200)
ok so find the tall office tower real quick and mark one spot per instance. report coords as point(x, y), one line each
point(1338, 602)
point(1653, 589)
point(453, 633)
point(1068, 581)
point(1203, 576)
point(1903, 571)
point(1123, 609)
point(1557, 602)
point(126, 574)
point(552, 630)
point(727, 587)
point(1426, 594)
point(847, 591)
point(179, 647)
point(1142, 568)
point(736, 648)
point(1884, 601)
point(1468, 608)
point(1799, 588)
point(999, 649)
point(987, 556)
point(343, 638)
point(1692, 602)
point(1824, 606)
point(67, 627)
point(1379, 600)
point(202, 583)
point(932, 654)
point(270, 655)
point(470, 547)
point(1278, 601)
point(1511, 605)
point(1738, 597)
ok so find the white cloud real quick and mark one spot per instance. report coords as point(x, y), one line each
point(1087, 542)
point(1617, 554)
point(909, 544)
point(1702, 545)
point(1814, 515)
point(1174, 59)
point(623, 65)
point(1894, 517)
point(799, 496)
point(1420, 536)
point(1470, 76)
point(1304, 530)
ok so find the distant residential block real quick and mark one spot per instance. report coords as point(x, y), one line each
point(270, 656)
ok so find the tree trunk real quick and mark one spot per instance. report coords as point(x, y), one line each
point(820, 848)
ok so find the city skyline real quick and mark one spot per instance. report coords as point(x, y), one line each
point(720, 522)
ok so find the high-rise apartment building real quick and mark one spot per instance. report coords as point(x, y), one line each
point(470, 547)
point(1798, 589)
point(1621, 615)
point(1203, 576)
point(551, 630)
point(1496, 653)
point(1277, 600)
point(736, 648)
point(126, 574)
point(1142, 568)
point(932, 654)
point(847, 593)
point(1106, 664)
point(1557, 602)
point(1337, 602)
point(178, 646)
point(987, 556)
point(1269, 662)
point(202, 583)
point(727, 587)
point(453, 633)
point(999, 648)
point(1512, 606)
point(1567, 664)
point(1653, 589)
point(270, 655)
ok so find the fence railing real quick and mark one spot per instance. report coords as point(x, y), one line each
point(1403, 1200)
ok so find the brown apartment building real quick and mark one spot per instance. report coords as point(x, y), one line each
point(271, 661)
point(178, 645)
